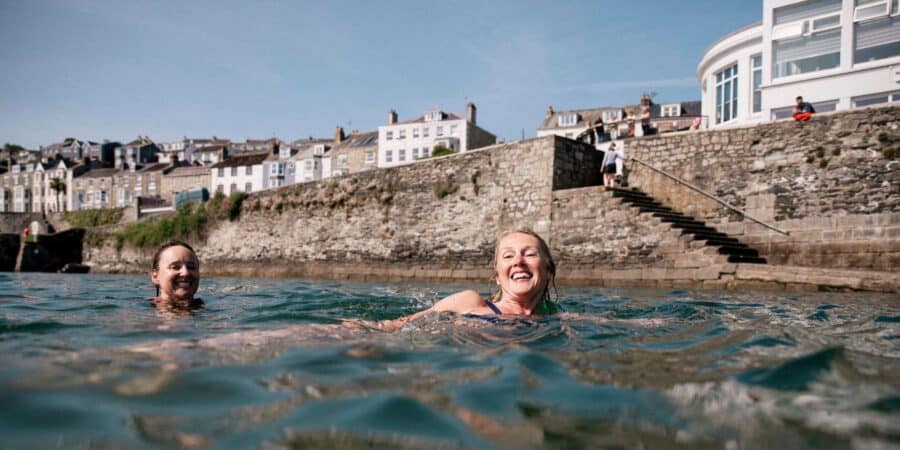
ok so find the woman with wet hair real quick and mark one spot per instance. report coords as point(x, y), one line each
point(524, 271)
point(176, 273)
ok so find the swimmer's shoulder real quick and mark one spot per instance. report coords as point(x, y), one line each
point(460, 302)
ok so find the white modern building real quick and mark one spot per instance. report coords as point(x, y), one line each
point(405, 142)
point(837, 54)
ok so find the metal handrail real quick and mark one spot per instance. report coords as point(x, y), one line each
point(717, 199)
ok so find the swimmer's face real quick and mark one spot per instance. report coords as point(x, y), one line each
point(178, 274)
point(521, 267)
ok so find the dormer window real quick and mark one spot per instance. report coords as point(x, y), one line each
point(612, 116)
point(319, 149)
point(673, 110)
point(432, 116)
point(284, 152)
point(568, 120)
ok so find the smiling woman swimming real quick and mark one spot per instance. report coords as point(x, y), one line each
point(524, 270)
point(176, 274)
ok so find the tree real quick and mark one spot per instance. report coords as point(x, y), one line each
point(57, 186)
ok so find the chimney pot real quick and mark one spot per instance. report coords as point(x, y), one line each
point(470, 113)
point(550, 110)
point(392, 117)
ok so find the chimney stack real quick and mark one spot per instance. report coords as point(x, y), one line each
point(339, 134)
point(392, 117)
point(550, 110)
point(470, 113)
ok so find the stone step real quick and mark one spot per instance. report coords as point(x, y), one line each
point(681, 220)
point(738, 250)
point(702, 235)
point(747, 259)
point(721, 241)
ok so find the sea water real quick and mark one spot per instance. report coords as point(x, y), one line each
point(88, 363)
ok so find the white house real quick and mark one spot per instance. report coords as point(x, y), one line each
point(243, 173)
point(837, 54)
point(405, 142)
point(312, 161)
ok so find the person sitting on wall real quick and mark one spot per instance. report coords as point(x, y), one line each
point(176, 273)
point(524, 270)
point(803, 111)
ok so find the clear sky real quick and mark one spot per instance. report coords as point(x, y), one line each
point(116, 69)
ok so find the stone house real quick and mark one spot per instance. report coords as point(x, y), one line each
point(244, 173)
point(405, 142)
point(109, 187)
point(182, 178)
point(17, 187)
point(137, 152)
point(354, 153)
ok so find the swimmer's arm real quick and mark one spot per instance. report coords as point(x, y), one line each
point(460, 302)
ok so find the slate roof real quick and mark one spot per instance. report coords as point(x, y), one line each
point(587, 117)
point(421, 119)
point(100, 173)
point(188, 171)
point(356, 140)
point(250, 159)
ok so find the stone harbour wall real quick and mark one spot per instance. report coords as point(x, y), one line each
point(832, 183)
point(438, 219)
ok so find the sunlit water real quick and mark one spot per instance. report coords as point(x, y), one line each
point(86, 363)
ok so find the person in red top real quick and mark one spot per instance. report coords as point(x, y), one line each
point(803, 111)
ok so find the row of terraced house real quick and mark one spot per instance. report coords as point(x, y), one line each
point(75, 175)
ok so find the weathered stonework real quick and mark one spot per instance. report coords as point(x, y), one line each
point(438, 219)
point(830, 182)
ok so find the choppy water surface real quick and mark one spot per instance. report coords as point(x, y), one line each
point(86, 363)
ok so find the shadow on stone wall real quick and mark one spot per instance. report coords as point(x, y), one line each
point(9, 250)
point(53, 251)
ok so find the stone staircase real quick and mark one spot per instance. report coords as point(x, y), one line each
point(697, 231)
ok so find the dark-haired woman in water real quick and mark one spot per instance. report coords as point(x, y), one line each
point(176, 274)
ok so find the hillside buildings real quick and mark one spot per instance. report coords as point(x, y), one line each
point(405, 142)
point(837, 54)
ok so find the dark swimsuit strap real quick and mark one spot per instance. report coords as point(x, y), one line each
point(494, 308)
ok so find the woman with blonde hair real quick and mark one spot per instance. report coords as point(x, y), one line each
point(524, 271)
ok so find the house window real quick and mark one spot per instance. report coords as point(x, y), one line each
point(439, 131)
point(248, 187)
point(401, 154)
point(726, 94)
point(370, 157)
point(234, 171)
point(876, 99)
point(432, 116)
point(249, 170)
point(389, 156)
point(787, 111)
point(220, 189)
point(342, 160)
point(567, 120)
point(415, 153)
point(673, 110)
point(877, 29)
point(307, 165)
point(233, 188)
point(425, 132)
point(611, 116)
point(401, 134)
point(756, 65)
point(415, 132)
point(452, 130)
point(388, 135)
point(806, 37)
point(426, 151)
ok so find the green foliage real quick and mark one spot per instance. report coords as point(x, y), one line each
point(810, 159)
point(889, 153)
point(13, 147)
point(440, 150)
point(186, 224)
point(445, 188)
point(823, 163)
point(279, 207)
point(820, 152)
point(836, 151)
point(235, 200)
point(88, 218)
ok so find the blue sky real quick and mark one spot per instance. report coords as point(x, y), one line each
point(115, 69)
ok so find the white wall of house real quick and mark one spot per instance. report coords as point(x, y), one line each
point(837, 54)
point(401, 144)
point(237, 179)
